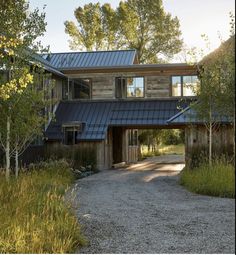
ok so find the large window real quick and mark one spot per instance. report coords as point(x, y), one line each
point(77, 89)
point(129, 87)
point(184, 86)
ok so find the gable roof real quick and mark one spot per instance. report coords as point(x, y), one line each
point(68, 60)
point(99, 115)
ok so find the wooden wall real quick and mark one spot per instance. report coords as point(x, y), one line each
point(197, 139)
point(156, 84)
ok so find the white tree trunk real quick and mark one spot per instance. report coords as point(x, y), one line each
point(16, 163)
point(210, 137)
point(210, 145)
point(8, 148)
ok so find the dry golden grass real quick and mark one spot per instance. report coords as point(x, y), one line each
point(215, 180)
point(34, 218)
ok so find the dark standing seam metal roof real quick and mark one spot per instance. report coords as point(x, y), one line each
point(47, 65)
point(70, 60)
point(189, 116)
point(99, 115)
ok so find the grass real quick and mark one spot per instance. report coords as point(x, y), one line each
point(216, 180)
point(164, 150)
point(34, 218)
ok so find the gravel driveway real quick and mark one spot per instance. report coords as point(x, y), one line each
point(143, 209)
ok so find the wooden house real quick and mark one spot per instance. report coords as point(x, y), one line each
point(108, 96)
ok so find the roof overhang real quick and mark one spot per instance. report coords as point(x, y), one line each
point(134, 68)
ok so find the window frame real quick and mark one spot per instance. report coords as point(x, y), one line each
point(182, 85)
point(133, 137)
point(69, 89)
point(73, 88)
point(126, 87)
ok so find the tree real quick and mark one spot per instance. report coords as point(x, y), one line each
point(134, 24)
point(19, 29)
point(217, 94)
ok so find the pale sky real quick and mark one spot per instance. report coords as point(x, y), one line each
point(197, 17)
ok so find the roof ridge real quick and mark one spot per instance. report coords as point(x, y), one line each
point(74, 52)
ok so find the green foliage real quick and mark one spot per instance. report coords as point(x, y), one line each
point(75, 155)
point(20, 99)
point(34, 218)
point(163, 150)
point(134, 24)
point(215, 180)
point(172, 136)
point(155, 137)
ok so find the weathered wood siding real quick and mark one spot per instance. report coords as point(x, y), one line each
point(157, 86)
point(197, 140)
point(103, 87)
point(156, 83)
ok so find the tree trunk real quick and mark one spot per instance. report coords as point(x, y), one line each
point(210, 135)
point(8, 148)
point(210, 144)
point(16, 163)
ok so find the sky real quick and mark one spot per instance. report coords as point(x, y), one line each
point(197, 17)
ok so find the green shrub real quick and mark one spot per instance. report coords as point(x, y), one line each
point(172, 136)
point(34, 218)
point(215, 180)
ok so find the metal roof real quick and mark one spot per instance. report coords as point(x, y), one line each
point(47, 66)
point(189, 116)
point(70, 60)
point(99, 115)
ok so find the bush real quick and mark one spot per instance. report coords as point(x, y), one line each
point(34, 218)
point(172, 136)
point(215, 180)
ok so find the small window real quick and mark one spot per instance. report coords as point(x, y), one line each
point(65, 92)
point(176, 86)
point(130, 87)
point(71, 130)
point(190, 85)
point(70, 137)
point(184, 85)
point(133, 137)
point(135, 87)
point(120, 88)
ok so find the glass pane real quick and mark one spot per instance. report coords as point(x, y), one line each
point(139, 82)
point(81, 89)
point(176, 86)
point(135, 87)
point(190, 85)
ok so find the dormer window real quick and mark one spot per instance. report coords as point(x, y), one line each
point(129, 87)
point(71, 130)
point(184, 86)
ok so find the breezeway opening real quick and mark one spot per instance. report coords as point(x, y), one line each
point(150, 147)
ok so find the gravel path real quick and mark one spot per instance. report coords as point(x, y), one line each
point(142, 209)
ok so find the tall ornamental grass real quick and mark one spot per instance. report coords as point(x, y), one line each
point(216, 180)
point(34, 218)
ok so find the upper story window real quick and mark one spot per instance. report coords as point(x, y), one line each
point(77, 89)
point(184, 86)
point(129, 87)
